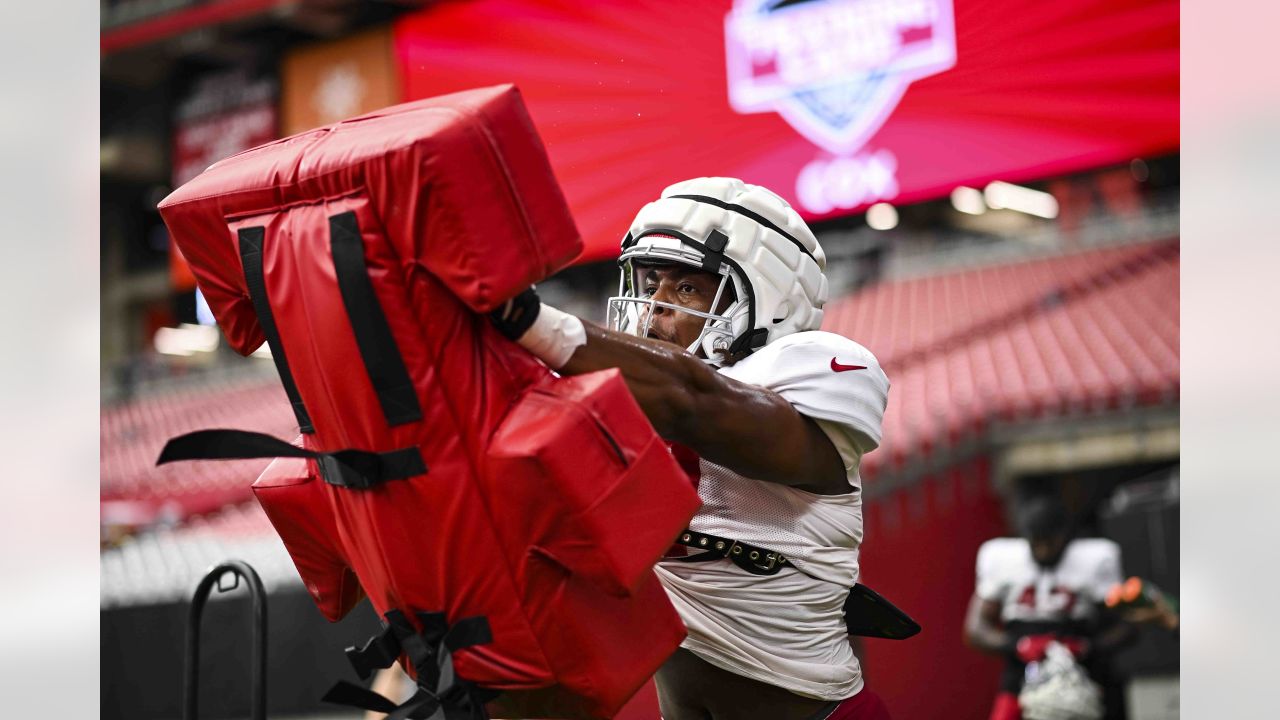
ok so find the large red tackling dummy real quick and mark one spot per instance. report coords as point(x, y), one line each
point(503, 520)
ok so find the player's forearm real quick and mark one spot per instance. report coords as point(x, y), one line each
point(666, 381)
point(981, 632)
point(748, 430)
point(987, 639)
point(663, 378)
point(753, 432)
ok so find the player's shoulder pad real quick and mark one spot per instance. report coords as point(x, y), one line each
point(998, 554)
point(825, 376)
point(1003, 547)
point(1096, 549)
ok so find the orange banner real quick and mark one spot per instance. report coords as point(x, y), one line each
point(332, 81)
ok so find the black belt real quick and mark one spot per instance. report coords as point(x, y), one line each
point(755, 560)
point(866, 613)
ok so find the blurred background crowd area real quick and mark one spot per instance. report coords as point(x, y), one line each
point(1003, 236)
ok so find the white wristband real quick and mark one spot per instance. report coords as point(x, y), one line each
point(554, 336)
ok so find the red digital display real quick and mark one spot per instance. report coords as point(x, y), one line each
point(834, 104)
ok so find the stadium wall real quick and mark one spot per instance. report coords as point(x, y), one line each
point(919, 550)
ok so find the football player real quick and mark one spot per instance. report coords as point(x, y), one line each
point(1044, 586)
point(715, 329)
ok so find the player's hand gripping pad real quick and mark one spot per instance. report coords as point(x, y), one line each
point(365, 250)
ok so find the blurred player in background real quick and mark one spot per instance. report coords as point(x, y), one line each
point(1046, 585)
point(715, 332)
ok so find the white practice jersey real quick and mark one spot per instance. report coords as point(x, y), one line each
point(787, 629)
point(1071, 590)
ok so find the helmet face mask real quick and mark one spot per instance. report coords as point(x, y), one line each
point(752, 239)
point(631, 311)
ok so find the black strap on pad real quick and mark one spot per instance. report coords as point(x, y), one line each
point(251, 240)
point(382, 359)
point(355, 469)
point(441, 694)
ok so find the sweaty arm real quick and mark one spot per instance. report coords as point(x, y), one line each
point(983, 627)
point(749, 429)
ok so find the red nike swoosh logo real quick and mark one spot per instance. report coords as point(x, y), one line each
point(837, 367)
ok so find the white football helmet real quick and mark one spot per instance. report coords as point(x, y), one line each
point(748, 235)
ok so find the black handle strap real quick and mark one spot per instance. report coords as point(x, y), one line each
point(382, 359)
point(352, 695)
point(355, 469)
point(251, 242)
point(441, 694)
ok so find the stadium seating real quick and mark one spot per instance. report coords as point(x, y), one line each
point(132, 433)
point(165, 566)
point(1066, 335)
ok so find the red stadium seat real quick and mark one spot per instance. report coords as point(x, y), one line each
point(1073, 334)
